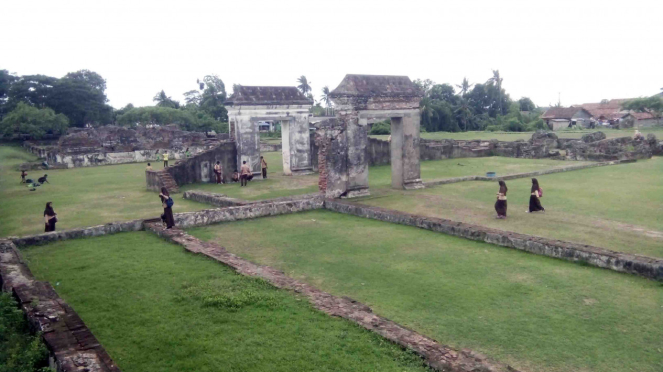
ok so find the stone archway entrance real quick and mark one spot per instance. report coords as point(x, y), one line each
point(342, 141)
point(250, 105)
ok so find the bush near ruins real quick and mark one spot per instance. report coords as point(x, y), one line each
point(28, 121)
point(383, 127)
point(19, 351)
point(187, 119)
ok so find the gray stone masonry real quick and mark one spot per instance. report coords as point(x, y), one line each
point(222, 201)
point(84, 232)
point(647, 267)
point(437, 356)
point(71, 345)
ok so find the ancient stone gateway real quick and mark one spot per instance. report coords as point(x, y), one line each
point(287, 105)
point(343, 141)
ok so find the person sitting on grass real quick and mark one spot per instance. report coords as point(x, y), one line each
point(23, 174)
point(235, 177)
point(43, 180)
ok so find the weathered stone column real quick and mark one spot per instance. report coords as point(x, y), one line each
point(296, 146)
point(410, 150)
point(357, 140)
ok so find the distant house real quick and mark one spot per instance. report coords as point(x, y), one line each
point(611, 112)
point(558, 118)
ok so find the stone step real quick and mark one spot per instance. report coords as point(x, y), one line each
point(168, 182)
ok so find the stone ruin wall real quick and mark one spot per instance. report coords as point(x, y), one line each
point(84, 147)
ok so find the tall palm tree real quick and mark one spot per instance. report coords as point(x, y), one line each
point(304, 85)
point(497, 80)
point(326, 99)
point(464, 111)
point(465, 87)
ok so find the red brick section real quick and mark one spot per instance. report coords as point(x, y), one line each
point(72, 346)
point(439, 357)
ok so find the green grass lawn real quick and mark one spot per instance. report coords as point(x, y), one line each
point(514, 136)
point(533, 312)
point(617, 207)
point(155, 307)
point(80, 196)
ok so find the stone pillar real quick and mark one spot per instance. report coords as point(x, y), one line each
point(410, 150)
point(357, 162)
point(296, 146)
point(396, 150)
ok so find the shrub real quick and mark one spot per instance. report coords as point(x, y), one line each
point(26, 120)
point(383, 127)
point(19, 350)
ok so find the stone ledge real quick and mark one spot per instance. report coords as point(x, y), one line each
point(648, 267)
point(84, 232)
point(525, 174)
point(437, 356)
point(71, 344)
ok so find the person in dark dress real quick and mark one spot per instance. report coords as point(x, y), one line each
point(535, 198)
point(49, 217)
point(167, 211)
point(500, 204)
point(23, 174)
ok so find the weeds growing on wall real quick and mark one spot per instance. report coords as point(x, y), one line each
point(19, 350)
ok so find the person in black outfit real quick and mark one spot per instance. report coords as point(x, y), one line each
point(49, 217)
point(535, 197)
point(43, 180)
point(500, 204)
point(167, 216)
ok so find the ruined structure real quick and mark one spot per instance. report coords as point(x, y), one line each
point(342, 141)
point(84, 147)
point(287, 105)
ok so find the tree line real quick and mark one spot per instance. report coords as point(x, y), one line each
point(34, 106)
point(473, 107)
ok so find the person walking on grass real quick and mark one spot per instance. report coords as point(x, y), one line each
point(218, 172)
point(165, 159)
point(244, 174)
point(500, 204)
point(49, 217)
point(263, 165)
point(167, 204)
point(535, 197)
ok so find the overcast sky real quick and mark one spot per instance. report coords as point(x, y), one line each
point(585, 50)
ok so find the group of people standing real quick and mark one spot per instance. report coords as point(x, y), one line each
point(536, 193)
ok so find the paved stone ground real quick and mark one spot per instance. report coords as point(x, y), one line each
point(439, 357)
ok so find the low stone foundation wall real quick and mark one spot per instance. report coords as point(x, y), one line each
point(259, 209)
point(525, 174)
point(269, 147)
point(223, 201)
point(438, 357)
point(85, 232)
point(627, 263)
point(71, 344)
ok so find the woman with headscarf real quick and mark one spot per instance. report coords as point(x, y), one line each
point(535, 197)
point(167, 204)
point(500, 204)
point(49, 217)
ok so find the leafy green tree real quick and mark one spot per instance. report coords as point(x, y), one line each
point(34, 90)
point(191, 118)
point(192, 97)
point(526, 104)
point(26, 120)
point(214, 97)
point(6, 81)
point(81, 97)
point(652, 105)
point(424, 85)
point(304, 85)
point(464, 112)
point(443, 92)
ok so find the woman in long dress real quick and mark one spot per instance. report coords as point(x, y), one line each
point(535, 197)
point(49, 217)
point(500, 204)
point(167, 211)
